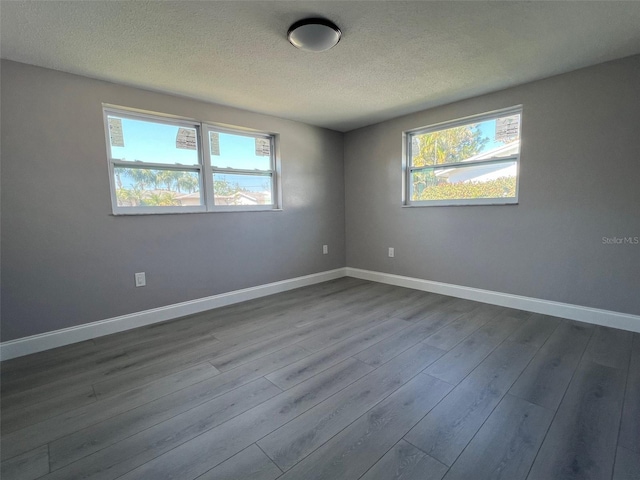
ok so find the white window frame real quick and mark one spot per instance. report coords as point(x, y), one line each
point(271, 172)
point(408, 169)
point(203, 167)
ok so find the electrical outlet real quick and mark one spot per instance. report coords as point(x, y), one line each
point(392, 252)
point(325, 249)
point(141, 279)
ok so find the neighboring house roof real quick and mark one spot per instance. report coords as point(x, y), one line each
point(483, 172)
point(502, 151)
point(181, 196)
point(244, 198)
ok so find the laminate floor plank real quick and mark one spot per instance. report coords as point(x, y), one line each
point(458, 362)
point(294, 441)
point(354, 325)
point(536, 330)
point(506, 445)
point(516, 313)
point(359, 446)
point(406, 462)
point(198, 381)
point(299, 371)
point(627, 466)
point(50, 377)
point(121, 362)
point(157, 333)
point(249, 464)
point(191, 326)
point(143, 447)
point(17, 418)
point(206, 451)
point(97, 361)
point(28, 466)
point(463, 325)
point(40, 433)
point(236, 357)
point(331, 381)
point(394, 345)
point(197, 407)
point(298, 320)
point(278, 320)
point(387, 303)
point(121, 457)
point(212, 321)
point(630, 424)
point(423, 307)
point(546, 379)
point(466, 306)
point(282, 325)
point(581, 442)
point(448, 428)
point(136, 377)
point(52, 357)
point(120, 365)
point(359, 297)
point(115, 372)
point(228, 361)
point(610, 347)
point(317, 315)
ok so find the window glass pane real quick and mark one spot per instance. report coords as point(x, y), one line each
point(492, 180)
point(495, 138)
point(147, 141)
point(153, 188)
point(240, 151)
point(231, 189)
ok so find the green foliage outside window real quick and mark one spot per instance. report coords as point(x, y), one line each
point(449, 146)
point(453, 145)
point(498, 188)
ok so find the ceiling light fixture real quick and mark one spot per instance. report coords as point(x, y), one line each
point(314, 34)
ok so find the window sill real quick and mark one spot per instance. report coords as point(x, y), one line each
point(137, 214)
point(475, 204)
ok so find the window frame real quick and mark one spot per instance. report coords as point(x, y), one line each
point(204, 168)
point(408, 169)
point(273, 171)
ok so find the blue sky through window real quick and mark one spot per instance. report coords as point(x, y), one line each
point(152, 142)
point(147, 141)
point(156, 142)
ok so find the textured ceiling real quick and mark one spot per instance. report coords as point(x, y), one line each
point(395, 57)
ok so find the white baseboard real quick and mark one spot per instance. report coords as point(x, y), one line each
point(597, 316)
point(66, 336)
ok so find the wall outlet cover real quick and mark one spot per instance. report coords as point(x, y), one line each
point(141, 279)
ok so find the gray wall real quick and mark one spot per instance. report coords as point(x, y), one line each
point(580, 172)
point(67, 261)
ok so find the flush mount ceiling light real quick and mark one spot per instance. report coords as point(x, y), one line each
point(314, 34)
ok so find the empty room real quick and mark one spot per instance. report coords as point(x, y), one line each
point(337, 240)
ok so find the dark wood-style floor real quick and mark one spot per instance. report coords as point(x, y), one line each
point(343, 380)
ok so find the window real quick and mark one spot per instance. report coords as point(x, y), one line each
point(163, 165)
point(472, 161)
point(242, 167)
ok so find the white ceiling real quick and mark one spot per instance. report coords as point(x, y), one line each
point(395, 57)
